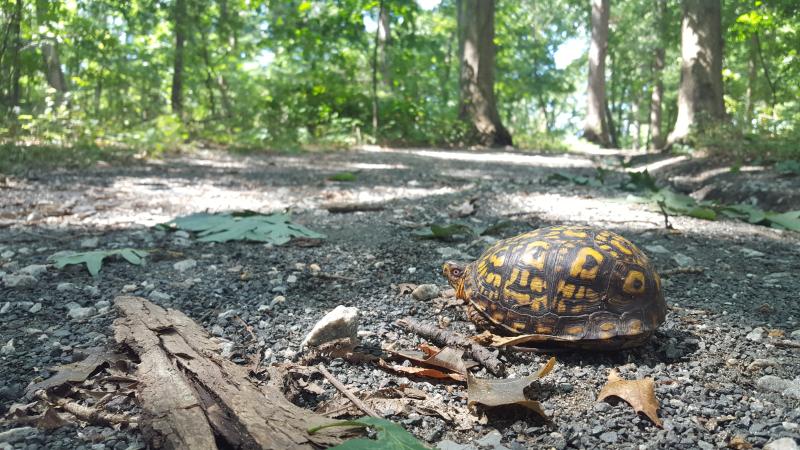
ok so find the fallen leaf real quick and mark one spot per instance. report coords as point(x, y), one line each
point(389, 435)
point(421, 371)
point(405, 288)
point(446, 358)
point(739, 442)
point(488, 338)
point(76, 372)
point(50, 420)
point(776, 333)
point(640, 394)
point(495, 393)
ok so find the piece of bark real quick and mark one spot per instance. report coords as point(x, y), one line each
point(343, 208)
point(481, 354)
point(189, 393)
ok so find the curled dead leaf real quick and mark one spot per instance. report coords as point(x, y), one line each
point(495, 393)
point(424, 372)
point(640, 394)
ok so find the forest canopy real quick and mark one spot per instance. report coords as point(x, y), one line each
point(286, 74)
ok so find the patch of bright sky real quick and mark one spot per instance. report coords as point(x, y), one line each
point(570, 50)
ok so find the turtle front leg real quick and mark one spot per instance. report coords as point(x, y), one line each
point(476, 317)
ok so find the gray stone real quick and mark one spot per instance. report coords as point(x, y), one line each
point(291, 279)
point(181, 234)
point(159, 296)
point(795, 334)
point(656, 249)
point(451, 445)
point(90, 242)
point(186, 264)
point(340, 323)
point(17, 434)
point(453, 253)
point(772, 383)
point(610, 437)
point(8, 349)
point(35, 308)
point(33, 270)
point(750, 253)
point(705, 445)
point(683, 260)
point(19, 280)
point(66, 287)
point(762, 363)
point(77, 312)
point(217, 330)
point(492, 441)
point(425, 292)
point(5, 308)
point(756, 335)
point(786, 443)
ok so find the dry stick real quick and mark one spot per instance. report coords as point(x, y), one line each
point(452, 339)
point(667, 225)
point(89, 414)
point(343, 389)
point(679, 270)
point(247, 328)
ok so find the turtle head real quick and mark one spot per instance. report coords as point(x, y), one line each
point(454, 272)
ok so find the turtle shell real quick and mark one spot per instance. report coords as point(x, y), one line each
point(569, 285)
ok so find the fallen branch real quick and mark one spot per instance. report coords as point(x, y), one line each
point(448, 338)
point(191, 397)
point(679, 270)
point(343, 389)
point(94, 416)
point(667, 224)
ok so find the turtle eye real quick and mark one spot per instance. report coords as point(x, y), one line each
point(456, 272)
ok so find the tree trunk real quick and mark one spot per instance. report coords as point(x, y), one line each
point(209, 82)
point(52, 68)
point(477, 57)
point(657, 96)
point(375, 76)
point(700, 93)
point(179, 21)
point(16, 47)
point(448, 61)
point(384, 41)
point(752, 73)
point(595, 128)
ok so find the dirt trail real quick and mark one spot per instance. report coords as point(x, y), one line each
point(715, 360)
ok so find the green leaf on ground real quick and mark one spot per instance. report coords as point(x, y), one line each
point(343, 176)
point(640, 181)
point(94, 259)
point(243, 226)
point(790, 166)
point(390, 436)
point(788, 220)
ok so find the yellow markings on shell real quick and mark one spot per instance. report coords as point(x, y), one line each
point(539, 303)
point(498, 316)
point(607, 326)
point(538, 284)
point(534, 258)
point(621, 246)
point(517, 297)
point(635, 326)
point(498, 260)
point(606, 247)
point(605, 335)
point(543, 329)
point(579, 270)
point(523, 279)
point(634, 283)
point(514, 275)
point(519, 326)
point(566, 289)
point(581, 293)
point(577, 234)
point(574, 330)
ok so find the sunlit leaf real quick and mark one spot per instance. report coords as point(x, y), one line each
point(247, 225)
point(94, 259)
point(390, 436)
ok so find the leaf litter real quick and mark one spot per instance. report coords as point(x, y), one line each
point(275, 229)
point(640, 394)
point(93, 260)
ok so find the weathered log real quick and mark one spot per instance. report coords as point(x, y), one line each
point(190, 396)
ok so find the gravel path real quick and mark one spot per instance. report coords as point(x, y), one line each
point(724, 365)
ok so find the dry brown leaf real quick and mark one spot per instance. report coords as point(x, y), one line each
point(421, 372)
point(739, 442)
point(506, 392)
point(493, 340)
point(76, 372)
point(445, 358)
point(640, 394)
point(51, 420)
point(773, 333)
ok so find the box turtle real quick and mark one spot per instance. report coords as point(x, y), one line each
point(569, 286)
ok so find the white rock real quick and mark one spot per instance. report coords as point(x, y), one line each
point(186, 264)
point(656, 249)
point(756, 335)
point(77, 312)
point(787, 388)
point(412, 270)
point(227, 314)
point(181, 234)
point(66, 287)
point(425, 292)
point(263, 307)
point(340, 323)
point(7, 254)
point(786, 443)
point(33, 270)
point(217, 330)
point(128, 288)
point(19, 280)
point(90, 242)
point(5, 308)
point(750, 253)
point(8, 349)
point(159, 296)
point(35, 308)
point(683, 260)
point(227, 350)
point(291, 279)
point(278, 299)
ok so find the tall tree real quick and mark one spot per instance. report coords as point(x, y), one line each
point(700, 93)
point(179, 23)
point(384, 41)
point(657, 95)
point(16, 47)
point(478, 105)
point(595, 127)
point(52, 67)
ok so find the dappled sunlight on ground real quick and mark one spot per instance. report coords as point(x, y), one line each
point(493, 157)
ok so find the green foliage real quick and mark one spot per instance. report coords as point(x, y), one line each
point(94, 259)
point(243, 226)
point(790, 166)
point(343, 176)
point(18, 158)
point(459, 229)
point(389, 435)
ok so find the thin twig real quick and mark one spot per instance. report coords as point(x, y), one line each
point(89, 414)
point(247, 327)
point(667, 225)
point(343, 389)
point(679, 270)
